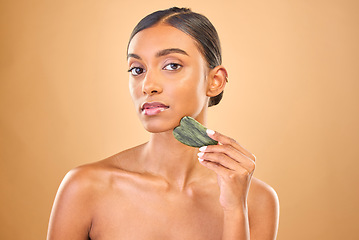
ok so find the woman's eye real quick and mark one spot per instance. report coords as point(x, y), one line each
point(172, 66)
point(135, 71)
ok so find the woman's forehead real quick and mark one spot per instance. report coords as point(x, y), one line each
point(160, 37)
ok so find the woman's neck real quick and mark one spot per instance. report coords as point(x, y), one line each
point(164, 156)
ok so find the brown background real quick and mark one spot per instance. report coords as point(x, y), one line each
point(292, 100)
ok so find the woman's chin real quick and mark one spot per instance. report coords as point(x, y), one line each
point(157, 127)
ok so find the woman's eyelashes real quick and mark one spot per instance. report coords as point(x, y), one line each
point(172, 66)
point(136, 71)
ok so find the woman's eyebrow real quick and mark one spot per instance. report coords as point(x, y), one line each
point(161, 53)
point(133, 56)
point(165, 52)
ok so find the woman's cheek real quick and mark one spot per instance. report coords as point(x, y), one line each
point(190, 102)
point(135, 90)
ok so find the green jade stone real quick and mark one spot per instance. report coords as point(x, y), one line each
point(192, 133)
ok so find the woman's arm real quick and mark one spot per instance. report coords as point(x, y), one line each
point(263, 207)
point(71, 213)
point(234, 166)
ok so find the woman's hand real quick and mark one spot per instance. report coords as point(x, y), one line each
point(234, 166)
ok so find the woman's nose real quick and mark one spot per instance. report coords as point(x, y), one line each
point(151, 84)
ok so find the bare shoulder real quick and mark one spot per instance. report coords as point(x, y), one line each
point(261, 193)
point(71, 214)
point(98, 174)
point(263, 209)
point(83, 177)
point(78, 197)
point(79, 186)
point(84, 181)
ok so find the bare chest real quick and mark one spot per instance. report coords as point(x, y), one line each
point(143, 215)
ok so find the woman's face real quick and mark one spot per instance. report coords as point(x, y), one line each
point(168, 77)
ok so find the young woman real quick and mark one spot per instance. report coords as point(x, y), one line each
point(164, 189)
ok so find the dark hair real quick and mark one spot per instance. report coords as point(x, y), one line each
point(193, 24)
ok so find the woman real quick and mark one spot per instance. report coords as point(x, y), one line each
point(164, 189)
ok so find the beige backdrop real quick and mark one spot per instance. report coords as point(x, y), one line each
point(292, 100)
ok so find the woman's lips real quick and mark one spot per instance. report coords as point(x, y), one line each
point(153, 108)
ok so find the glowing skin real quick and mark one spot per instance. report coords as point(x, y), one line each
point(164, 189)
point(169, 70)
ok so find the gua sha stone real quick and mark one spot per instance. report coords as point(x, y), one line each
point(192, 133)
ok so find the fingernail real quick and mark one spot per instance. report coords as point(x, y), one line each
point(200, 159)
point(210, 132)
point(200, 154)
point(202, 149)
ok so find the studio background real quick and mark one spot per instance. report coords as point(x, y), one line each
point(292, 100)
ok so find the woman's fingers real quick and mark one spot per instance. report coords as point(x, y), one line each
point(241, 174)
point(219, 158)
point(232, 161)
point(228, 153)
point(227, 149)
point(224, 140)
point(216, 167)
point(233, 165)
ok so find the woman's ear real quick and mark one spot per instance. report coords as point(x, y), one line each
point(217, 79)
